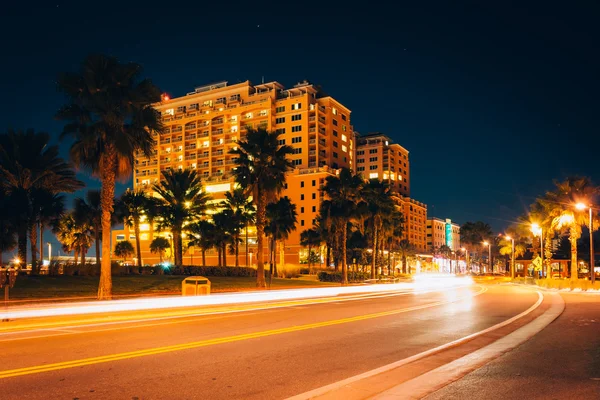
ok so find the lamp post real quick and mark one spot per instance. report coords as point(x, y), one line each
point(489, 245)
point(537, 230)
point(581, 206)
point(512, 257)
point(49, 251)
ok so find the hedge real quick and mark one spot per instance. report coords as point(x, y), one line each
point(211, 271)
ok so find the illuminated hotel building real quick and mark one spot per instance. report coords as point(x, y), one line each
point(204, 125)
point(442, 232)
point(377, 157)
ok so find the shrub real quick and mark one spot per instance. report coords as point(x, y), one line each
point(325, 276)
point(212, 271)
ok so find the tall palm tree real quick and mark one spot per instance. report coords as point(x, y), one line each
point(182, 200)
point(406, 249)
point(473, 234)
point(158, 246)
point(242, 215)
point(261, 165)
point(343, 192)
point(393, 229)
point(8, 231)
point(310, 238)
point(90, 211)
point(378, 205)
point(74, 235)
point(132, 207)
point(202, 235)
point(47, 208)
point(281, 221)
point(559, 205)
point(110, 115)
point(224, 225)
point(29, 164)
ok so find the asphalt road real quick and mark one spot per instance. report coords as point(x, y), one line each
point(260, 354)
point(560, 362)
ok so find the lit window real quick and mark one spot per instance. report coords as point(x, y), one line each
point(373, 175)
point(205, 144)
point(248, 115)
point(234, 128)
point(344, 148)
point(296, 106)
point(334, 110)
point(344, 138)
point(170, 111)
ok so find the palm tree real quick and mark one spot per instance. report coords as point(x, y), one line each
point(90, 211)
point(242, 214)
point(378, 204)
point(46, 207)
point(124, 249)
point(110, 116)
point(29, 164)
point(223, 226)
point(559, 207)
point(406, 250)
point(343, 192)
point(74, 235)
point(50, 212)
point(281, 221)
point(158, 246)
point(261, 165)
point(182, 200)
point(202, 235)
point(473, 234)
point(8, 239)
point(132, 207)
point(393, 229)
point(310, 238)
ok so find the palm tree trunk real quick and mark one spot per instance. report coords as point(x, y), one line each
point(344, 266)
point(136, 228)
point(260, 233)
point(33, 248)
point(224, 246)
point(309, 263)
point(574, 270)
point(237, 250)
point(219, 255)
point(281, 255)
point(83, 253)
point(98, 242)
point(22, 244)
point(107, 198)
point(75, 256)
point(247, 245)
point(41, 227)
point(375, 243)
point(178, 246)
point(273, 260)
point(328, 255)
point(203, 257)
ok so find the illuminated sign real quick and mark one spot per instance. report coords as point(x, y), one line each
point(449, 233)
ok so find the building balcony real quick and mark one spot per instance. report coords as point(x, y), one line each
point(312, 141)
point(312, 164)
point(218, 132)
point(217, 153)
point(312, 153)
point(230, 162)
point(190, 127)
point(163, 152)
point(190, 157)
point(177, 139)
point(178, 129)
point(190, 137)
point(203, 155)
point(312, 130)
point(218, 163)
point(203, 134)
point(218, 143)
point(217, 121)
point(312, 119)
point(192, 147)
point(165, 141)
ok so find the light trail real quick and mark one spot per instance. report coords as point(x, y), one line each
point(156, 303)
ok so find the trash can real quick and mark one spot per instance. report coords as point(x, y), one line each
point(195, 286)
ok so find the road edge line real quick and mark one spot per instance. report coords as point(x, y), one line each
point(436, 379)
point(339, 384)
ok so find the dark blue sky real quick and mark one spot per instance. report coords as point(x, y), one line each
point(492, 101)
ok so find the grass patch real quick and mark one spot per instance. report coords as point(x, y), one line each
point(52, 287)
point(560, 284)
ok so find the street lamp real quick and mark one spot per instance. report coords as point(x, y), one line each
point(489, 245)
point(537, 230)
point(581, 207)
point(512, 257)
point(49, 251)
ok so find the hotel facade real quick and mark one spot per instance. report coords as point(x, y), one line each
point(205, 124)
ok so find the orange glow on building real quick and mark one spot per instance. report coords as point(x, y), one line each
point(202, 126)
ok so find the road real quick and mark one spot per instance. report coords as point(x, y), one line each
point(254, 351)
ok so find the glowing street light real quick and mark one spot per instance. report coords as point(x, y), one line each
point(582, 207)
point(537, 230)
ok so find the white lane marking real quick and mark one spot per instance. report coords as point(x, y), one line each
point(337, 385)
point(436, 379)
point(195, 315)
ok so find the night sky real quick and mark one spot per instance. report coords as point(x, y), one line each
point(492, 101)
